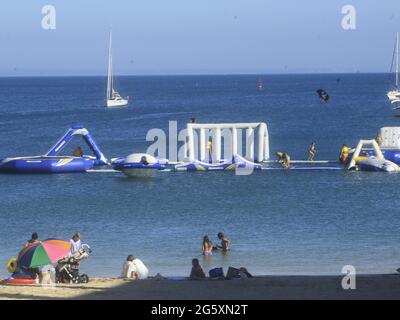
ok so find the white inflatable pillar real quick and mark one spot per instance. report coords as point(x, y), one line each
point(234, 141)
point(263, 144)
point(260, 151)
point(250, 143)
point(216, 145)
point(203, 145)
point(190, 143)
point(266, 144)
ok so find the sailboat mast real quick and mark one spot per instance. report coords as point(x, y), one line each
point(109, 75)
point(397, 60)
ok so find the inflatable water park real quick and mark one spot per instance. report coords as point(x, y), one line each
point(208, 147)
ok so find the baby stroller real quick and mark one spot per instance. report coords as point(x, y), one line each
point(67, 269)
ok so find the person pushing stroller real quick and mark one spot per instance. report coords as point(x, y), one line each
point(67, 269)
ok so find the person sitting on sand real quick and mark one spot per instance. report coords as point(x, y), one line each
point(134, 268)
point(197, 272)
point(224, 242)
point(207, 246)
point(47, 274)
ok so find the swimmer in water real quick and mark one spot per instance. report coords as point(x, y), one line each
point(225, 243)
point(207, 246)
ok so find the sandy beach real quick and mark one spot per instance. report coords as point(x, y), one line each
point(258, 288)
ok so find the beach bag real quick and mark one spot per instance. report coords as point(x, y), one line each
point(216, 273)
point(232, 273)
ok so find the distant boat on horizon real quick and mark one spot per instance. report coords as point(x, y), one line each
point(114, 99)
point(260, 86)
point(394, 95)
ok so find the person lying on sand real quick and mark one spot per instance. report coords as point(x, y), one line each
point(197, 272)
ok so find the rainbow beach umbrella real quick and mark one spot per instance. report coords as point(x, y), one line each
point(44, 252)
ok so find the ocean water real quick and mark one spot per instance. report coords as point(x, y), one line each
point(279, 222)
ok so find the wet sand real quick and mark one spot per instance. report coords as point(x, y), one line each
point(258, 288)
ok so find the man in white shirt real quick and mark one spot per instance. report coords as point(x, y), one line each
point(134, 268)
point(75, 243)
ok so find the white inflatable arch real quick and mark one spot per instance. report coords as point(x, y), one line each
point(256, 138)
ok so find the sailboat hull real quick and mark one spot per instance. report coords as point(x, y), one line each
point(393, 95)
point(117, 103)
point(396, 109)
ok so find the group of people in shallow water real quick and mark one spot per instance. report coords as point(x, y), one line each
point(208, 246)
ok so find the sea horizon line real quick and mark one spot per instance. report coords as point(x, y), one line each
point(193, 74)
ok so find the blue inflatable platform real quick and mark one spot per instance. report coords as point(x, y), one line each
point(52, 163)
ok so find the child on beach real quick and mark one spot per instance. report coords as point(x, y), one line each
point(47, 274)
point(197, 272)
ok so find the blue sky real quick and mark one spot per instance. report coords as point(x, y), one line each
point(197, 37)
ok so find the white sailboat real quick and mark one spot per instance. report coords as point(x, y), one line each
point(114, 99)
point(394, 95)
point(260, 85)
